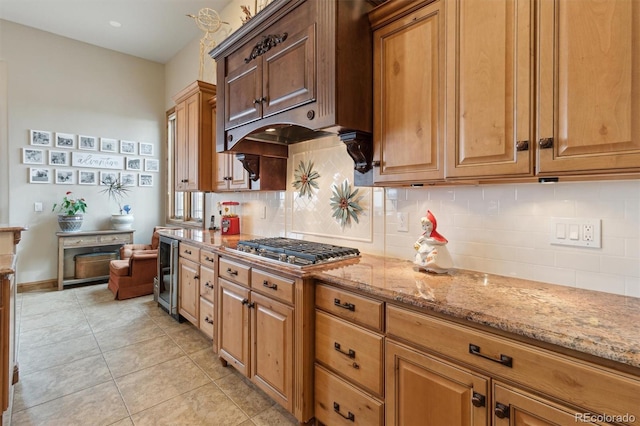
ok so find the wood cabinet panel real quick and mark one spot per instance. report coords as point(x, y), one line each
point(207, 283)
point(234, 271)
point(352, 307)
point(588, 96)
point(206, 317)
point(189, 251)
point(233, 325)
point(422, 389)
point(189, 290)
point(272, 285)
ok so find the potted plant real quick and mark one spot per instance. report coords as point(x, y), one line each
point(117, 192)
point(70, 213)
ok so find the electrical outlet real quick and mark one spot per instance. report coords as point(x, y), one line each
point(37, 206)
point(263, 212)
point(576, 231)
point(403, 225)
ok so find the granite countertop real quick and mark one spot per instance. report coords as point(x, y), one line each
point(596, 323)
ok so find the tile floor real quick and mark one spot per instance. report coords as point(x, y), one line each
point(86, 359)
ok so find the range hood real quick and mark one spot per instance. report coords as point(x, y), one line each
point(298, 70)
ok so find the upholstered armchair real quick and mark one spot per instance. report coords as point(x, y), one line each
point(132, 275)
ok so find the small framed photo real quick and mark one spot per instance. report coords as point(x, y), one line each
point(151, 165)
point(39, 175)
point(134, 163)
point(146, 149)
point(39, 137)
point(107, 178)
point(65, 176)
point(65, 140)
point(145, 179)
point(59, 158)
point(108, 145)
point(127, 147)
point(32, 156)
point(87, 177)
point(89, 143)
point(128, 179)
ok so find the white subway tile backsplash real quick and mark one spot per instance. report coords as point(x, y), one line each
point(582, 262)
point(601, 282)
point(554, 275)
point(620, 265)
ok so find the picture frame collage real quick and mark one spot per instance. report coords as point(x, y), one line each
point(69, 159)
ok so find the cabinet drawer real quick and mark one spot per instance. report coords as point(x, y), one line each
point(116, 239)
point(350, 350)
point(272, 285)
point(339, 403)
point(190, 252)
point(84, 240)
point(207, 259)
point(355, 308)
point(232, 271)
point(206, 317)
point(579, 382)
point(207, 283)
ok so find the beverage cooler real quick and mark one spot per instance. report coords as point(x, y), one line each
point(165, 285)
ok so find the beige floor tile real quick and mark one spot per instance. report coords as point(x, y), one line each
point(249, 398)
point(57, 353)
point(168, 324)
point(93, 294)
point(141, 355)
point(49, 319)
point(190, 339)
point(124, 422)
point(152, 309)
point(99, 405)
point(210, 363)
point(154, 385)
point(37, 337)
point(139, 330)
point(275, 415)
point(45, 385)
point(111, 316)
point(206, 405)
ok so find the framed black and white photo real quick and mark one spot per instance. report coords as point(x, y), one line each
point(39, 175)
point(128, 179)
point(59, 158)
point(65, 140)
point(87, 177)
point(108, 145)
point(65, 176)
point(145, 179)
point(32, 156)
point(89, 143)
point(39, 137)
point(127, 147)
point(146, 149)
point(151, 165)
point(133, 163)
point(107, 178)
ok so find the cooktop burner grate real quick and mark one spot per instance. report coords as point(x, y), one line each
point(298, 252)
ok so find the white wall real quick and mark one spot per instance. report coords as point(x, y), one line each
point(61, 85)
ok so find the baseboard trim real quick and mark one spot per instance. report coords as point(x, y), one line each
point(38, 286)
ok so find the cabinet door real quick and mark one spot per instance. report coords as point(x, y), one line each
point(242, 101)
point(238, 176)
point(588, 96)
point(288, 77)
point(222, 173)
point(189, 291)
point(272, 343)
point(193, 141)
point(514, 407)
point(180, 150)
point(423, 390)
point(409, 92)
point(489, 88)
point(233, 325)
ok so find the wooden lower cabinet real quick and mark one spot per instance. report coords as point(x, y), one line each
point(189, 290)
point(233, 325)
point(424, 390)
point(206, 317)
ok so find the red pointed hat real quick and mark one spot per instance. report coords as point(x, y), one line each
point(434, 234)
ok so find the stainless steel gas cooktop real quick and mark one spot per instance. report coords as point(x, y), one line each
point(296, 252)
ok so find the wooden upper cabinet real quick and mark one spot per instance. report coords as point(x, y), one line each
point(408, 93)
point(194, 145)
point(489, 86)
point(589, 87)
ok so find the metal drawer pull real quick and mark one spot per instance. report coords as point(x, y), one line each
point(245, 301)
point(231, 272)
point(478, 400)
point(349, 416)
point(208, 259)
point(208, 285)
point(207, 320)
point(349, 306)
point(501, 411)
point(351, 353)
point(187, 251)
point(266, 284)
point(196, 277)
point(504, 359)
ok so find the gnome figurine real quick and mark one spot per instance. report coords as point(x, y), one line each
point(432, 254)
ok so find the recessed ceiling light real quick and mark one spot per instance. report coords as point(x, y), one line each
point(115, 24)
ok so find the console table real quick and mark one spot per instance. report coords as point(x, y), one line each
point(83, 242)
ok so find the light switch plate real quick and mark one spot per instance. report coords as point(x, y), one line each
point(403, 225)
point(576, 231)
